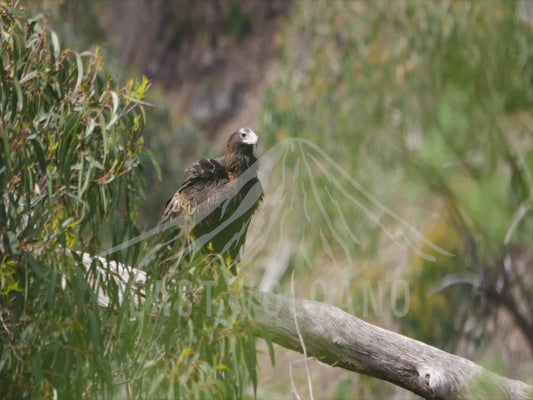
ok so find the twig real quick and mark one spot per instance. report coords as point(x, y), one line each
point(307, 371)
point(518, 217)
point(294, 390)
point(455, 279)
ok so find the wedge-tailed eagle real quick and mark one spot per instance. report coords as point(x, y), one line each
point(216, 201)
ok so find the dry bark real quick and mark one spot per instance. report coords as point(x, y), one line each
point(342, 340)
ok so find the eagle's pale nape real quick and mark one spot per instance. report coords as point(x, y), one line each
point(219, 197)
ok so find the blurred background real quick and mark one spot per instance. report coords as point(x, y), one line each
point(397, 156)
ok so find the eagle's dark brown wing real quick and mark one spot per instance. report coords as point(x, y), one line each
point(205, 178)
point(216, 208)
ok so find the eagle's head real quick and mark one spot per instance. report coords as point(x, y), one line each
point(240, 150)
point(242, 141)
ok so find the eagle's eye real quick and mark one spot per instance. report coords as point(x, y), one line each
point(244, 135)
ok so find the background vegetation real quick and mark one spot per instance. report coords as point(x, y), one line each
point(428, 106)
point(409, 115)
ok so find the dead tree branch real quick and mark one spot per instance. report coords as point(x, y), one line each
point(342, 340)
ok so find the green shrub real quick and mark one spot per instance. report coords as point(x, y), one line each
point(70, 180)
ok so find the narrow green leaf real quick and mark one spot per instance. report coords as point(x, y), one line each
point(94, 330)
point(20, 96)
point(36, 267)
point(55, 45)
point(79, 69)
point(90, 128)
point(268, 340)
point(52, 286)
point(86, 181)
point(41, 157)
point(114, 97)
point(94, 162)
point(29, 76)
point(14, 11)
point(7, 153)
point(156, 381)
